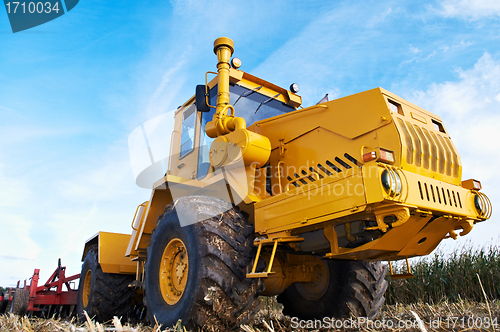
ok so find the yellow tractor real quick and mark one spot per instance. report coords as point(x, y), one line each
point(265, 197)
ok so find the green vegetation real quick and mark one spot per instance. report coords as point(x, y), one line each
point(451, 277)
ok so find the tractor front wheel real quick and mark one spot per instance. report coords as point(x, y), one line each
point(353, 288)
point(197, 273)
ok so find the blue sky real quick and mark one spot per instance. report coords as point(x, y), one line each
point(73, 89)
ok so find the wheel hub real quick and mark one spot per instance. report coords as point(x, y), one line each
point(317, 288)
point(173, 271)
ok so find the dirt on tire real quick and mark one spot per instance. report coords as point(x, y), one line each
point(221, 251)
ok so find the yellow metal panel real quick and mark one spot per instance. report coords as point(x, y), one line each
point(439, 196)
point(112, 247)
point(389, 244)
point(395, 244)
point(160, 197)
point(369, 108)
point(136, 226)
point(310, 204)
point(371, 179)
point(428, 238)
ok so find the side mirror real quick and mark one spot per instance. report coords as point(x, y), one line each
point(201, 100)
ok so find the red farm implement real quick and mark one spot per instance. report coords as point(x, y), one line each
point(46, 300)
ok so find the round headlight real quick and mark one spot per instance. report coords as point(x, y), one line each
point(478, 204)
point(236, 63)
point(294, 87)
point(391, 182)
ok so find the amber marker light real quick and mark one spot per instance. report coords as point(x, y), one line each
point(369, 156)
point(472, 184)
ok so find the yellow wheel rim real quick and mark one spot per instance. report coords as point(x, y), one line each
point(86, 288)
point(315, 289)
point(173, 271)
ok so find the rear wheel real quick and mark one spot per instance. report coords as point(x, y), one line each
point(197, 273)
point(353, 288)
point(20, 302)
point(103, 295)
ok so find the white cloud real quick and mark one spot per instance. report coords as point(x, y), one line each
point(475, 93)
point(471, 9)
point(470, 109)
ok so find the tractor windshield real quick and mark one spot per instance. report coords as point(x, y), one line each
point(254, 106)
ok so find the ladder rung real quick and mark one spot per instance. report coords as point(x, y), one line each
point(402, 276)
point(279, 239)
point(259, 275)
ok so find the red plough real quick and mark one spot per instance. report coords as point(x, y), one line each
point(48, 299)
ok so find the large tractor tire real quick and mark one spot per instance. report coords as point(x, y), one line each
point(197, 273)
point(354, 288)
point(103, 295)
point(20, 302)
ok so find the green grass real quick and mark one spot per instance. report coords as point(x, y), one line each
point(451, 277)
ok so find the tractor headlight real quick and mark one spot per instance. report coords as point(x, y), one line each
point(391, 182)
point(478, 204)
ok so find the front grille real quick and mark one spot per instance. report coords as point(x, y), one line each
point(327, 168)
point(429, 150)
point(440, 195)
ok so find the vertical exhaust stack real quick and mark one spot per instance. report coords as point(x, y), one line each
point(223, 48)
point(233, 141)
point(222, 123)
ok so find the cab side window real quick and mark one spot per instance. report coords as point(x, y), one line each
point(187, 131)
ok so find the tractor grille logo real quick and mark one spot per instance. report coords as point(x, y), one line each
point(25, 15)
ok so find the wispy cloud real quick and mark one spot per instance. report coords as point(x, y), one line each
point(414, 49)
point(420, 56)
point(470, 9)
point(166, 91)
point(380, 17)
